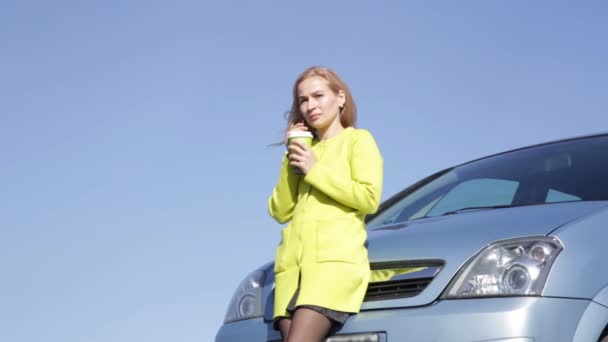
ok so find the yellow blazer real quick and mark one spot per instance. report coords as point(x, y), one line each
point(322, 248)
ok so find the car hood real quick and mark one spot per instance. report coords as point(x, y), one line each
point(456, 238)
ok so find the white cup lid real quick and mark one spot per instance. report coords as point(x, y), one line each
point(299, 134)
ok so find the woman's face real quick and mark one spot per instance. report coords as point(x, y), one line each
point(318, 103)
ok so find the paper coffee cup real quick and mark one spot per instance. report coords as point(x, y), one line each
point(303, 136)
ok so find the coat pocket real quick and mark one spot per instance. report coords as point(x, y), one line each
point(280, 259)
point(339, 240)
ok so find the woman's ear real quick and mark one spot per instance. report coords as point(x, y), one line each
point(341, 98)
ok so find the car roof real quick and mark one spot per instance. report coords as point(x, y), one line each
point(537, 145)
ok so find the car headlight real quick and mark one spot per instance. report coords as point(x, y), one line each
point(515, 267)
point(247, 299)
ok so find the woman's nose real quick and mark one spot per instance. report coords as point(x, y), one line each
point(312, 104)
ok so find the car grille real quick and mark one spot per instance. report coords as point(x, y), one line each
point(396, 289)
point(391, 280)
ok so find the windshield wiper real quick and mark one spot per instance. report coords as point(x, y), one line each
point(478, 208)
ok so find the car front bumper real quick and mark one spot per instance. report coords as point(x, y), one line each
point(513, 319)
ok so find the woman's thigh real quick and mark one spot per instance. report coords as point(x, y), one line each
point(308, 325)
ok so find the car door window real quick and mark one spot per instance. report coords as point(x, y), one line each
point(554, 196)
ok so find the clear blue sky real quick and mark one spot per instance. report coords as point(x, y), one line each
point(134, 167)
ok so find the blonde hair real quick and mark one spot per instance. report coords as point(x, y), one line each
point(348, 113)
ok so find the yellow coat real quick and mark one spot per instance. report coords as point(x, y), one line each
point(323, 244)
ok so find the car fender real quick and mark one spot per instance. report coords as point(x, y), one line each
point(579, 269)
point(592, 323)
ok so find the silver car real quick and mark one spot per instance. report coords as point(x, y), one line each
point(510, 247)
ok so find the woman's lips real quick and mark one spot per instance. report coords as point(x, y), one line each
point(314, 117)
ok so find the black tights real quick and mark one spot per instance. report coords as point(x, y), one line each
point(306, 325)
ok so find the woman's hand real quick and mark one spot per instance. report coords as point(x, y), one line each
point(300, 155)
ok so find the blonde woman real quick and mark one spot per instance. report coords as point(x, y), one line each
point(321, 265)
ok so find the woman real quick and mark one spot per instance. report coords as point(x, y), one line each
point(321, 265)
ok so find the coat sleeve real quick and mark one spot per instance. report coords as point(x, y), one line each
point(284, 196)
point(361, 188)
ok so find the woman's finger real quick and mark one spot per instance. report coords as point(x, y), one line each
point(296, 163)
point(300, 125)
point(299, 128)
point(301, 145)
point(291, 153)
point(295, 149)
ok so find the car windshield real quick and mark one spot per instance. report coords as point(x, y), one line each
point(572, 170)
